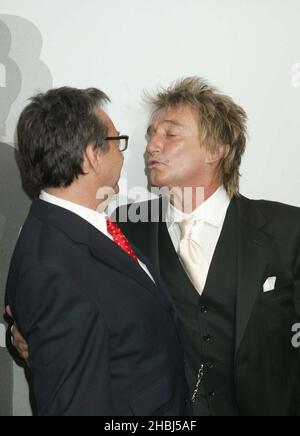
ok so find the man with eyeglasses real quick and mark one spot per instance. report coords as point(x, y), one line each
point(100, 324)
point(232, 264)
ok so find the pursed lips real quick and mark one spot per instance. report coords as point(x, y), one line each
point(153, 163)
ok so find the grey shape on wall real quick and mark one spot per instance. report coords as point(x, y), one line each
point(10, 78)
point(20, 53)
point(22, 74)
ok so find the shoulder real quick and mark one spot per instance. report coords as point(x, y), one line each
point(43, 244)
point(278, 219)
point(275, 210)
point(143, 204)
point(140, 212)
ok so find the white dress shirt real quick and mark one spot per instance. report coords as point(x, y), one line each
point(95, 218)
point(210, 217)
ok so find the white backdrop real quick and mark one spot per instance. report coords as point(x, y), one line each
point(250, 49)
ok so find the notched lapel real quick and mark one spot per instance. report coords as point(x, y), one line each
point(254, 257)
point(101, 247)
point(145, 240)
point(108, 252)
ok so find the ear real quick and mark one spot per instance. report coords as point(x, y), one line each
point(91, 159)
point(214, 157)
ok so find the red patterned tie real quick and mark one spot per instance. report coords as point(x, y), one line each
point(120, 239)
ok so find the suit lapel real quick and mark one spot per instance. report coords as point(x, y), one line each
point(145, 239)
point(255, 249)
point(254, 256)
point(101, 247)
point(108, 252)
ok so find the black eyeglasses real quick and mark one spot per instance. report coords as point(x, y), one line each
point(122, 141)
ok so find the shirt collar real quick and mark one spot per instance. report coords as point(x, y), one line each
point(212, 211)
point(95, 218)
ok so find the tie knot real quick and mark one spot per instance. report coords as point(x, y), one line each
point(186, 227)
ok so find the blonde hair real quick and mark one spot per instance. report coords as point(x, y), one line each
point(222, 123)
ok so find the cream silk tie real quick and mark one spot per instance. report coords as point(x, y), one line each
point(192, 256)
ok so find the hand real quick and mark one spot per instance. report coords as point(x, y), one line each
point(17, 339)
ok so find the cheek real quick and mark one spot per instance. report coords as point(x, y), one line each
point(181, 161)
point(180, 152)
point(121, 160)
point(193, 157)
point(186, 166)
point(118, 159)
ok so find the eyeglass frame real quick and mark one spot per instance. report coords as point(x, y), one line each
point(116, 138)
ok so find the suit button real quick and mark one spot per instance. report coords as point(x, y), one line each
point(203, 309)
point(210, 365)
point(212, 394)
point(207, 338)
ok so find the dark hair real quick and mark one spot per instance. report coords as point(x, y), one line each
point(53, 133)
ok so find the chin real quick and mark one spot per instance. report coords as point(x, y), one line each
point(158, 182)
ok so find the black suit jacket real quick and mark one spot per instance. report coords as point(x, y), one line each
point(102, 336)
point(267, 366)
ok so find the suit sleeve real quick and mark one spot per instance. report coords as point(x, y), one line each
point(68, 344)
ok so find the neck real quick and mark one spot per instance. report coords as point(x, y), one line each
point(77, 193)
point(189, 199)
point(67, 195)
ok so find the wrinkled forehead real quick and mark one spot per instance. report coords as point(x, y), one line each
point(181, 116)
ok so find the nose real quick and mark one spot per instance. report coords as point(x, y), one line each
point(154, 145)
